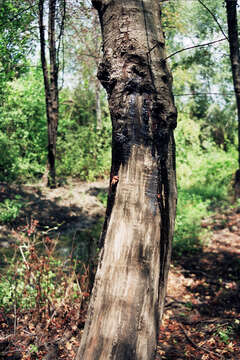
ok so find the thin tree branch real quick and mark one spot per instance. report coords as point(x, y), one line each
point(214, 17)
point(61, 32)
point(42, 46)
point(52, 41)
point(207, 93)
point(190, 47)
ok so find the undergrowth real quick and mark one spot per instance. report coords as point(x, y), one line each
point(36, 278)
point(39, 294)
point(204, 187)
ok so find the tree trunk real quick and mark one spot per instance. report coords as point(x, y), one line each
point(98, 104)
point(50, 84)
point(128, 295)
point(231, 6)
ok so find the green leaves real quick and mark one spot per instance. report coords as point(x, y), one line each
point(90, 152)
point(23, 134)
point(15, 40)
point(9, 209)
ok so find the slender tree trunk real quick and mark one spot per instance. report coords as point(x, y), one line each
point(128, 295)
point(231, 6)
point(98, 104)
point(50, 84)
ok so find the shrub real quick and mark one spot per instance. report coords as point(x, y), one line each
point(85, 153)
point(9, 209)
point(23, 133)
point(204, 185)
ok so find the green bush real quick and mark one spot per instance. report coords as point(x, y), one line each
point(23, 133)
point(204, 185)
point(9, 165)
point(190, 211)
point(10, 209)
point(85, 153)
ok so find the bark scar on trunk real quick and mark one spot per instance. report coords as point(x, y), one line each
point(115, 180)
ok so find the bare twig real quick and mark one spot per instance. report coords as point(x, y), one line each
point(5, 338)
point(28, 333)
point(192, 47)
point(15, 315)
point(23, 256)
point(175, 301)
point(214, 17)
point(230, 93)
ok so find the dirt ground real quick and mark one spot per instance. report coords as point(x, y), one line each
point(202, 312)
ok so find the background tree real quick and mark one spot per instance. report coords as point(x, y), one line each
point(128, 296)
point(56, 18)
point(231, 7)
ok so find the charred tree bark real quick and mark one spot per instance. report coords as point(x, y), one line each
point(128, 296)
point(231, 7)
point(50, 84)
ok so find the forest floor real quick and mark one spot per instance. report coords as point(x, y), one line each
point(202, 312)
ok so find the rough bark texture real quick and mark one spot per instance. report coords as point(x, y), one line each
point(128, 295)
point(50, 84)
point(231, 7)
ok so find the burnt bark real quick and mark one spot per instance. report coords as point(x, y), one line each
point(128, 296)
point(50, 83)
point(231, 7)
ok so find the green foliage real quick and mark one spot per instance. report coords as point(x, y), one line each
point(23, 138)
point(103, 196)
point(206, 26)
point(204, 184)
point(202, 76)
point(16, 39)
point(225, 333)
point(10, 209)
point(8, 160)
point(85, 152)
point(190, 211)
